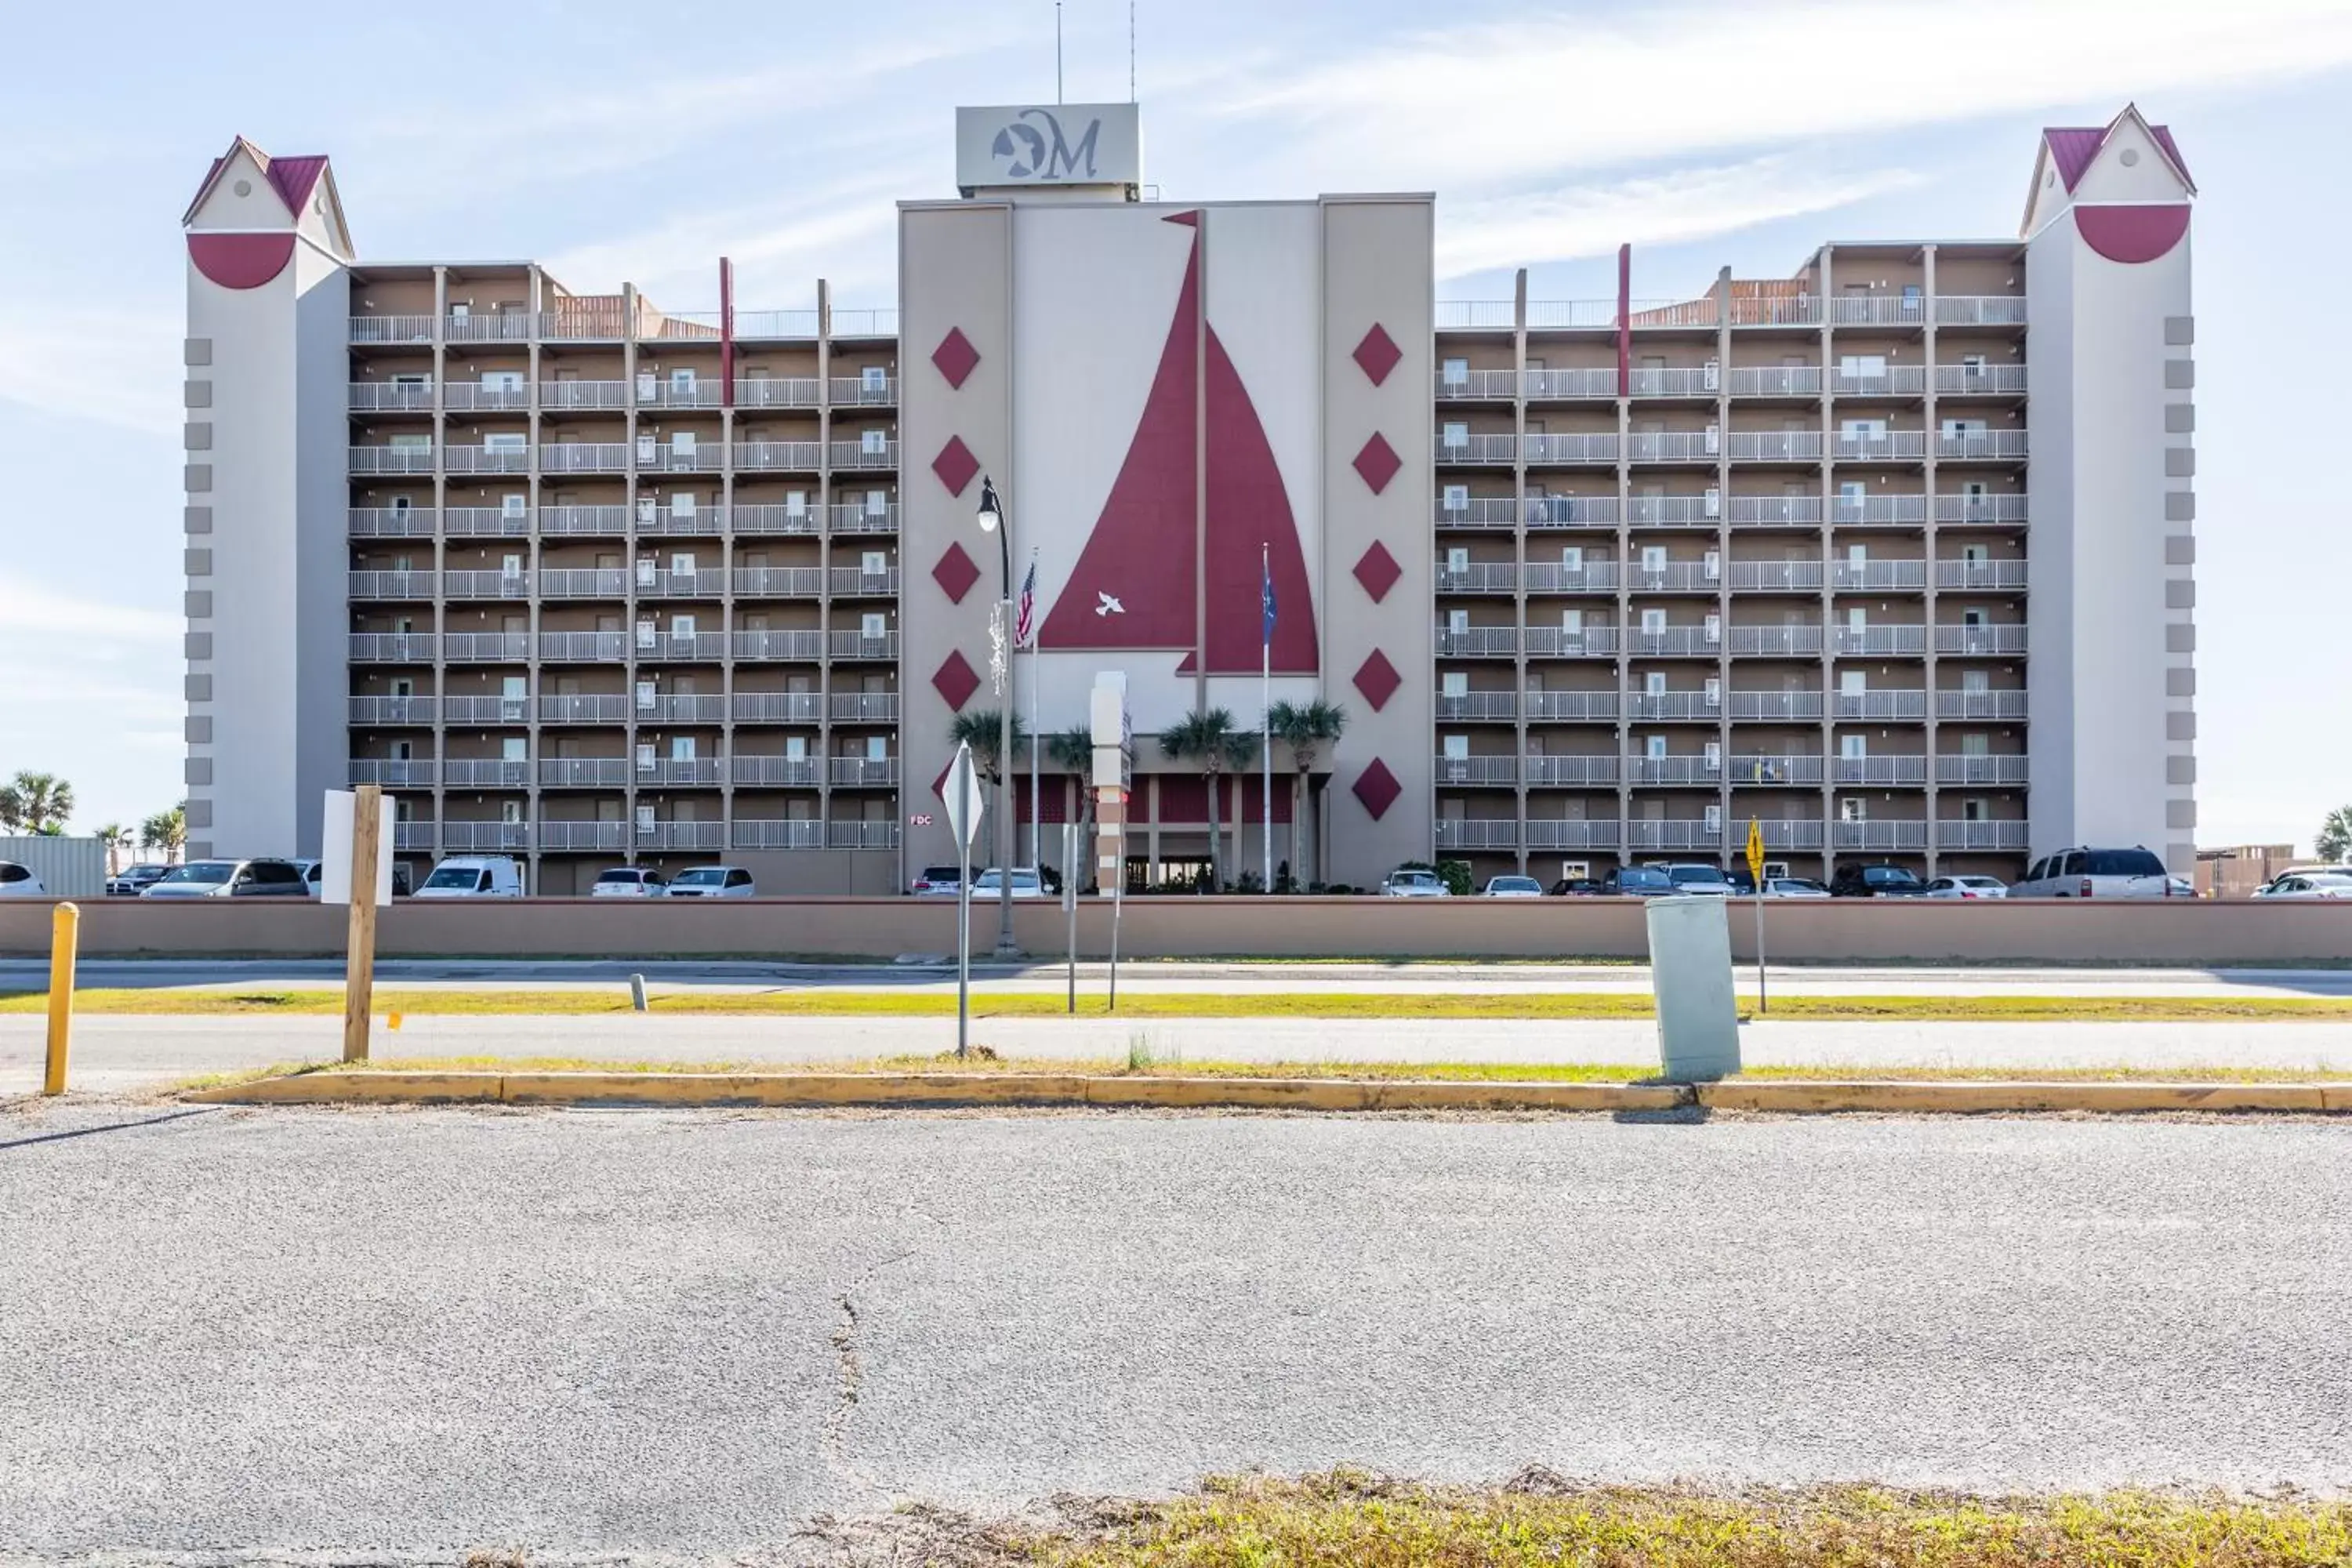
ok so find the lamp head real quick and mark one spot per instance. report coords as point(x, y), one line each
point(991, 511)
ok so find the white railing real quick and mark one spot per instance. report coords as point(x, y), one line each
point(1776, 381)
point(863, 772)
point(1950, 704)
point(409, 772)
point(1981, 642)
point(499, 584)
point(1776, 642)
point(486, 522)
point(391, 397)
point(774, 707)
point(1474, 705)
point(660, 392)
point(1951, 832)
point(858, 645)
point(487, 709)
point(413, 837)
point(588, 708)
point(1477, 833)
point(675, 647)
point(1456, 315)
point(1478, 577)
point(582, 582)
point(392, 460)
point(1959, 768)
point(1571, 511)
point(1673, 833)
point(803, 455)
point(855, 582)
point(1554, 384)
point(513, 326)
point(583, 772)
point(584, 647)
point(1571, 833)
point(1479, 511)
point(780, 581)
point(1910, 770)
point(1959, 508)
point(1572, 707)
point(1886, 447)
point(768, 517)
point(1553, 314)
point(679, 835)
point(1695, 381)
point(866, 322)
point(1672, 512)
point(1994, 574)
point(1877, 310)
point(1981, 309)
point(695, 582)
point(1905, 511)
point(1885, 704)
point(872, 834)
point(1476, 770)
point(463, 837)
point(577, 520)
point(1672, 445)
point(1478, 385)
point(660, 521)
point(1672, 577)
point(1851, 641)
point(1558, 642)
point(797, 644)
point(1770, 706)
point(391, 329)
point(460, 460)
point(1791, 833)
point(864, 707)
point(1982, 446)
point(1573, 448)
point(857, 518)
point(559, 396)
point(394, 523)
point(1774, 446)
point(1552, 577)
point(487, 773)
point(394, 709)
point(1684, 705)
point(388, 584)
point(859, 455)
point(583, 836)
point(1476, 448)
point(1776, 511)
point(1571, 771)
point(1895, 381)
point(855, 391)
point(1991, 380)
point(682, 707)
point(1878, 836)
point(773, 771)
point(393, 647)
point(1866, 574)
point(775, 324)
point(1767, 769)
point(1477, 642)
point(1672, 641)
point(1776, 576)
point(1776, 311)
point(679, 771)
point(803, 832)
point(661, 458)
point(777, 392)
point(467, 397)
point(485, 648)
point(1684, 770)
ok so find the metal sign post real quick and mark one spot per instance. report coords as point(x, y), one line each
point(355, 868)
point(964, 803)
point(1070, 901)
point(1756, 875)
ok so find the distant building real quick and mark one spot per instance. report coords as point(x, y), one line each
point(2236, 872)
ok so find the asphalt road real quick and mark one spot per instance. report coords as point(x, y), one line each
point(386, 1333)
point(126, 1054)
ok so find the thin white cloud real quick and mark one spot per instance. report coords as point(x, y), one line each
point(29, 607)
point(119, 367)
point(845, 233)
point(1525, 229)
point(1497, 100)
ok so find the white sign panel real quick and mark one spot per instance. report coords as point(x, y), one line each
point(1049, 145)
point(335, 851)
point(965, 798)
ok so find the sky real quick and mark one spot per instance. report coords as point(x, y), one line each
point(618, 141)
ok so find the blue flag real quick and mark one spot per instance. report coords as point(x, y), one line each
point(1265, 600)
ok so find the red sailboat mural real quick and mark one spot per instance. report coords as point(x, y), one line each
point(1135, 583)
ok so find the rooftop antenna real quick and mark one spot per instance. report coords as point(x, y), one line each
point(1058, 51)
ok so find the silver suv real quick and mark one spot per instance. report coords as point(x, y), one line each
point(2086, 873)
point(1402, 884)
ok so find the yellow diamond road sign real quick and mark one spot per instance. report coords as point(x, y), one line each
point(1756, 851)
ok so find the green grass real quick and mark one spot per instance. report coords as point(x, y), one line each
point(1350, 1520)
point(941, 1004)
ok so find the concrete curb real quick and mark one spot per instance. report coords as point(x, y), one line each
point(842, 1089)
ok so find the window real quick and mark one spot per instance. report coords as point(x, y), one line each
point(682, 503)
point(681, 748)
point(646, 756)
point(1654, 747)
point(510, 813)
point(648, 572)
point(1572, 558)
point(1713, 691)
point(1711, 565)
point(1911, 300)
point(514, 504)
point(1854, 682)
point(1853, 808)
point(646, 820)
point(411, 378)
point(1456, 373)
point(874, 626)
point(1456, 434)
point(681, 384)
point(1859, 430)
point(1976, 744)
point(1713, 817)
point(1962, 429)
point(796, 748)
point(1975, 617)
point(874, 379)
point(1973, 367)
point(645, 691)
point(647, 633)
point(1653, 559)
point(878, 503)
point(504, 441)
point(1853, 747)
point(1653, 623)
point(681, 564)
point(1457, 621)
point(1457, 498)
point(1714, 625)
point(412, 443)
point(1863, 367)
point(1457, 561)
point(1713, 753)
point(402, 686)
point(510, 567)
point(501, 381)
point(874, 442)
point(1456, 747)
point(796, 504)
point(1975, 554)
point(681, 444)
point(1976, 681)
point(1654, 683)
point(681, 626)
point(874, 564)
point(878, 748)
point(1455, 683)
point(514, 748)
point(402, 750)
point(1976, 808)
point(647, 445)
point(1857, 618)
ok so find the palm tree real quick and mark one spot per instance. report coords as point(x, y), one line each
point(39, 803)
point(1072, 751)
point(1305, 728)
point(1208, 740)
point(166, 831)
point(982, 731)
point(116, 838)
point(2335, 840)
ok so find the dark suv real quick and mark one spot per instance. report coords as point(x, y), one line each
point(1876, 883)
point(1638, 882)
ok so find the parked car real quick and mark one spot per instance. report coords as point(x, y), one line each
point(714, 882)
point(1026, 884)
point(134, 880)
point(2086, 873)
point(2308, 885)
point(1404, 884)
point(1698, 879)
point(1855, 880)
point(1637, 882)
point(1514, 887)
point(312, 876)
point(19, 881)
point(1793, 888)
point(937, 881)
point(1576, 888)
point(261, 879)
point(628, 883)
point(1967, 888)
point(472, 877)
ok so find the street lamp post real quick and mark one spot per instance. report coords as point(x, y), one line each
point(992, 520)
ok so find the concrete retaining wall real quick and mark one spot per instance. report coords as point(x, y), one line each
point(2160, 932)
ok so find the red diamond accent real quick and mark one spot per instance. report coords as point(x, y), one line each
point(1378, 353)
point(955, 572)
point(956, 680)
point(1378, 462)
point(955, 465)
point(955, 357)
point(939, 784)
point(1377, 680)
point(1378, 789)
point(1378, 572)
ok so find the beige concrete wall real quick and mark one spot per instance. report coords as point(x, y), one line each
point(2177, 931)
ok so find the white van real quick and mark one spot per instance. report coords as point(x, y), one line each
point(474, 877)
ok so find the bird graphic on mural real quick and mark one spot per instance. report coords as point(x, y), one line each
point(1110, 607)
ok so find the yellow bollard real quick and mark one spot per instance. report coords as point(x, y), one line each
point(65, 935)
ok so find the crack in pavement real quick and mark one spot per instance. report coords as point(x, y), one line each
point(848, 1384)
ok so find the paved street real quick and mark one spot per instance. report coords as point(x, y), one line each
point(421, 1331)
point(121, 1053)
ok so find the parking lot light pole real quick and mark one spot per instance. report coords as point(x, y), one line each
point(993, 519)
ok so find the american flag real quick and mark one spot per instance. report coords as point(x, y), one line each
point(1025, 622)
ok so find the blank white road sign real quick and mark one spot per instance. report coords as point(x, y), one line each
point(335, 851)
point(964, 800)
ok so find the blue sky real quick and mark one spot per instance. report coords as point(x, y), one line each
point(618, 141)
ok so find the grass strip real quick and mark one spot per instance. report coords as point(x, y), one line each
point(988, 1061)
point(939, 1004)
point(1361, 1521)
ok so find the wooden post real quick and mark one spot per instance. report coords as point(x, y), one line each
point(65, 937)
point(359, 963)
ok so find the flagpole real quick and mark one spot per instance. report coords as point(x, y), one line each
point(1036, 827)
point(1266, 723)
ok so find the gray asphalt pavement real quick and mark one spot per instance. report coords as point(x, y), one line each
point(416, 1332)
point(123, 1053)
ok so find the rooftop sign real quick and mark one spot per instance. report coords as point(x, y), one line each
point(1049, 145)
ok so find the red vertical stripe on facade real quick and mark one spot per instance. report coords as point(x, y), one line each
point(726, 333)
point(1624, 320)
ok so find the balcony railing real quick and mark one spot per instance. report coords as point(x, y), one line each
point(1772, 705)
point(777, 323)
point(1570, 772)
point(1467, 447)
point(1670, 445)
point(865, 772)
point(772, 518)
point(390, 398)
point(776, 392)
point(655, 391)
point(1476, 314)
point(1991, 380)
point(1776, 511)
point(407, 772)
point(1694, 770)
point(578, 838)
point(1960, 768)
point(1981, 574)
point(1878, 770)
point(681, 708)
point(462, 837)
point(1477, 833)
point(776, 771)
point(864, 324)
point(1559, 642)
point(388, 584)
point(1887, 575)
point(1851, 642)
point(694, 582)
point(1765, 769)
point(393, 647)
point(1571, 833)
point(392, 460)
point(486, 773)
point(1674, 705)
point(855, 582)
point(1885, 704)
point(487, 522)
point(864, 707)
point(1672, 512)
point(584, 647)
point(780, 582)
point(569, 396)
point(774, 707)
point(1572, 707)
point(1673, 577)
point(1981, 446)
point(1571, 511)
point(394, 523)
point(1791, 833)
point(797, 644)
point(1478, 577)
point(678, 773)
point(1775, 309)
point(485, 648)
point(1879, 446)
point(1774, 446)
point(680, 648)
point(1503, 771)
point(1777, 576)
point(513, 326)
point(857, 390)
point(805, 456)
point(1479, 511)
point(1981, 309)
point(590, 707)
point(1675, 642)
point(466, 397)
point(503, 459)
point(582, 582)
point(1694, 381)
point(1573, 448)
point(583, 772)
point(1993, 705)
point(1951, 832)
point(864, 455)
point(866, 519)
point(413, 837)
point(575, 522)
point(801, 833)
point(1477, 705)
point(870, 834)
point(394, 709)
point(1477, 642)
point(1478, 385)
point(1552, 577)
point(669, 523)
point(1776, 642)
point(391, 329)
point(487, 709)
point(1878, 837)
point(1899, 510)
point(498, 584)
point(1776, 381)
point(1984, 509)
point(1877, 310)
point(1981, 642)
point(860, 645)
point(660, 835)
point(1558, 385)
point(1673, 833)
